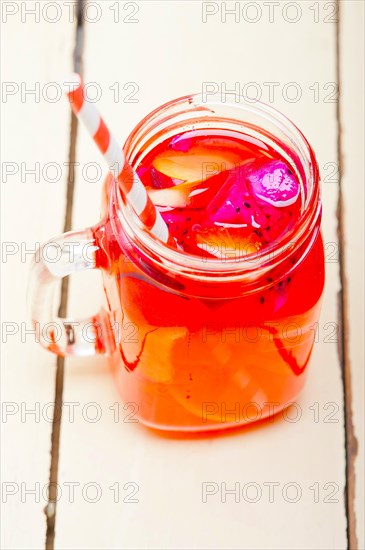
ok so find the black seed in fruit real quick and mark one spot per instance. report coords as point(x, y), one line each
point(262, 300)
point(247, 204)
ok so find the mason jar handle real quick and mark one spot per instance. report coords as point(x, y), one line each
point(69, 253)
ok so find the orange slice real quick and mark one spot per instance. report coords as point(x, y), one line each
point(223, 244)
point(174, 197)
point(195, 165)
point(156, 360)
point(194, 169)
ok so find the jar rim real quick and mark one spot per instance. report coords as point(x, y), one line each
point(272, 254)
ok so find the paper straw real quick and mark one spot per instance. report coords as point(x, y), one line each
point(131, 186)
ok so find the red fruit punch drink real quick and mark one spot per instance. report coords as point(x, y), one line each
point(216, 328)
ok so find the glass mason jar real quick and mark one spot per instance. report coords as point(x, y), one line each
point(198, 344)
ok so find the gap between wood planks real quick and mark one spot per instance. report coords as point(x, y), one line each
point(351, 445)
point(50, 509)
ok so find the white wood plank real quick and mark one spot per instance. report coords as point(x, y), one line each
point(169, 53)
point(34, 130)
point(352, 120)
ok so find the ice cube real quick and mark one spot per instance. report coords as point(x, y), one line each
point(274, 183)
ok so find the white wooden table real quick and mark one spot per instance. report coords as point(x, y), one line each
point(119, 485)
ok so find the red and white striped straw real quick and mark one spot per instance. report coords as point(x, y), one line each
point(130, 184)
